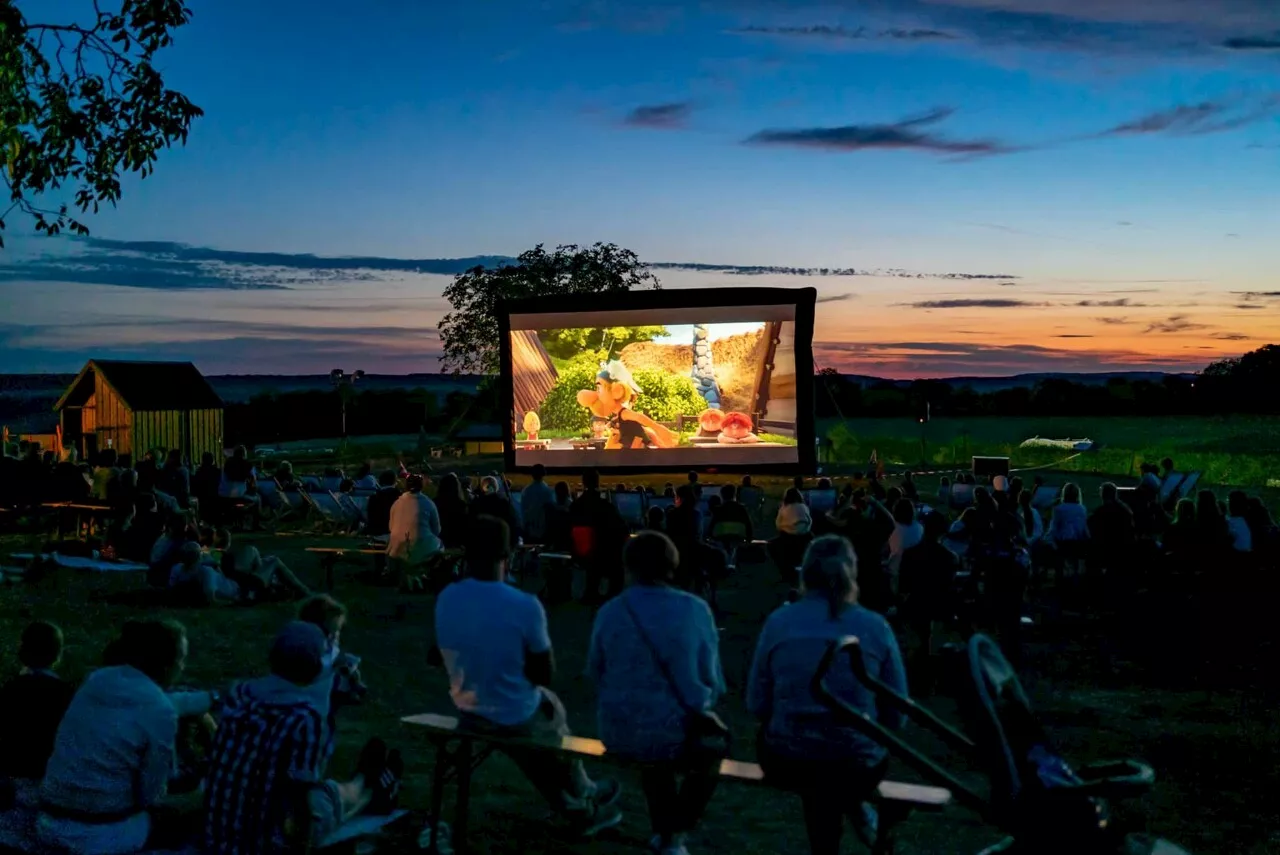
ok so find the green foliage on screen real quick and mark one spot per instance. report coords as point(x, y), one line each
point(665, 396)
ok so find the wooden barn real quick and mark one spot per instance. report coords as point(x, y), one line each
point(532, 373)
point(134, 407)
point(480, 439)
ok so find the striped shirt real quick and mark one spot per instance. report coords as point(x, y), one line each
point(272, 736)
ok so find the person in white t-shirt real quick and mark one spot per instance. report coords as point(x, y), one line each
point(907, 532)
point(494, 642)
point(415, 526)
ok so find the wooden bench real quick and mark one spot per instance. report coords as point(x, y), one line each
point(895, 800)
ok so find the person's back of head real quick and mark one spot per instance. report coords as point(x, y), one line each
point(668, 492)
point(729, 493)
point(892, 496)
point(324, 612)
point(190, 554)
point(792, 497)
point(387, 478)
point(1071, 494)
point(1207, 507)
point(414, 484)
point(129, 479)
point(107, 458)
point(656, 518)
point(944, 482)
point(1109, 492)
point(685, 496)
point(798, 482)
point(693, 477)
point(366, 469)
point(539, 473)
point(488, 547)
point(824, 483)
point(1184, 513)
point(563, 493)
point(1238, 503)
point(935, 526)
point(1167, 464)
point(222, 538)
point(830, 567)
point(746, 481)
point(297, 653)
point(207, 459)
point(591, 480)
point(240, 453)
point(41, 646)
point(651, 558)
point(489, 486)
point(714, 503)
point(175, 458)
point(157, 648)
point(904, 512)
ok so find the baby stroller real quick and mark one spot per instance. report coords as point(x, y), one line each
point(1042, 804)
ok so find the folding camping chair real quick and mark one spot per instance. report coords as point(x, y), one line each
point(1045, 806)
point(631, 507)
point(821, 501)
point(752, 498)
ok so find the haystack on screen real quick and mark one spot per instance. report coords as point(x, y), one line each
point(695, 387)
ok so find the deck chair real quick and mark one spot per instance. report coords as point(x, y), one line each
point(329, 512)
point(730, 536)
point(752, 498)
point(1187, 487)
point(1043, 804)
point(821, 501)
point(664, 502)
point(354, 505)
point(631, 508)
point(1170, 487)
point(293, 503)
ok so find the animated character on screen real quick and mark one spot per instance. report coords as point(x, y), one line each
point(710, 423)
point(612, 399)
point(532, 424)
point(736, 430)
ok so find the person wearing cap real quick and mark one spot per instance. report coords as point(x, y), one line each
point(266, 786)
point(106, 785)
point(206, 583)
point(494, 642)
point(804, 747)
point(415, 527)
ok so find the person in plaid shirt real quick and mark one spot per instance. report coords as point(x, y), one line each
point(266, 781)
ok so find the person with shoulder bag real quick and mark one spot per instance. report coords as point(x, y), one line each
point(654, 656)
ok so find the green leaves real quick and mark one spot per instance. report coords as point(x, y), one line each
point(82, 103)
point(469, 333)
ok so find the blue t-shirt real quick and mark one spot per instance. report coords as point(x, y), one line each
point(794, 639)
point(484, 630)
point(639, 714)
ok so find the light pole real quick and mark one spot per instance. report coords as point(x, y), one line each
point(343, 382)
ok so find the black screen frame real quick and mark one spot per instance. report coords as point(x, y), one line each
point(803, 299)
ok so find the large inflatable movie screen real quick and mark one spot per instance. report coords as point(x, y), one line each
point(665, 387)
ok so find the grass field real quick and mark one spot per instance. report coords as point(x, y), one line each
point(1229, 450)
point(1218, 763)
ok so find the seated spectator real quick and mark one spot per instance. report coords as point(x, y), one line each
point(656, 519)
point(1262, 529)
point(944, 491)
point(166, 551)
point(236, 474)
point(493, 638)
point(909, 490)
point(105, 472)
point(492, 503)
point(195, 579)
point(685, 527)
point(907, 532)
point(267, 790)
point(804, 747)
point(731, 519)
point(1111, 528)
point(255, 574)
point(451, 506)
point(206, 480)
point(105, 787)
point(558, 534)
point(415, 529)
point(926, 584)
point(1238, 521)
point(599, 533)
point(342, 670)
point(1211, 524)
point(377, 512)
point(175, 480)
point(1032, 522)
point(534, 500)
point(68, 483)
point(134, 534)
point(365, 479)
point(31, 708)
point(1069, 525)
point(695, 486)
point(1181, 539)
point(654, 656)
point(794, 524)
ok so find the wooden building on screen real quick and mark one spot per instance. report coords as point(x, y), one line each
point(136, 407)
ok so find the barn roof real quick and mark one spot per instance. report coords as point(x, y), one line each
point(532, 373)
point(151, 385)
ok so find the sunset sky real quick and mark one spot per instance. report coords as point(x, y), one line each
point(1071, 185)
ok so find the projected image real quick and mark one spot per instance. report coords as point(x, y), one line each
point(696, 393)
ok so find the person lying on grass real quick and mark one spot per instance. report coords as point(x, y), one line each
point(267, 789)
point(196, 580)
point(257, 575)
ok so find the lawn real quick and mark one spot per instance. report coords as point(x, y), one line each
point(1229, 450)
point(1219, 763)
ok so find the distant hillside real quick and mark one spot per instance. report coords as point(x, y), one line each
point(984, 385)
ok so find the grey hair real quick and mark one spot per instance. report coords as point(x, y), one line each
point(830, 566)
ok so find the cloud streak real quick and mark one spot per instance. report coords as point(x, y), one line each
point(911, 134)
point(973, 304)
point(1206, 117)
point(847, 34)
point(673, 116)
point(1175, 324)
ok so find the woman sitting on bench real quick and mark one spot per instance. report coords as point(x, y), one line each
point(834, 768)
point(655, 657)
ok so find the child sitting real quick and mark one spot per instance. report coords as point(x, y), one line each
point(341, 670)
point(32, 704)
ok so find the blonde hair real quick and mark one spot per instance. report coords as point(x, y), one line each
point(830, 566)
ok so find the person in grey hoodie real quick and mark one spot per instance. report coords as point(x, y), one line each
point(114, 753)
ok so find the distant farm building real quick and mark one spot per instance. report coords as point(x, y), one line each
point(480, 439)
point(136, 407)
